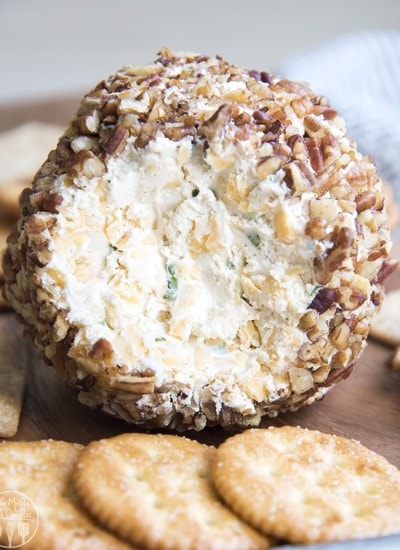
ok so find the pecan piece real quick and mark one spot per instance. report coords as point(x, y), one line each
point(315, 154)
point(316, 228)
point(269, 165)
point(89, 123)
point(365, 200)
point(85, 163)
point(35, 224)
point(47, 202)
point(117, 141)
point(322, 273)
point(256, 75)
point(323, 300)
point(216, 122)
point(386, 269)
point(311, 124)
point(338, 374)
point(308, 320)
point(102, 349)
point(343, 239)
point(340, 336)
point(147, 133)
point(134, 384)
point(261, 117)
point(176, 133)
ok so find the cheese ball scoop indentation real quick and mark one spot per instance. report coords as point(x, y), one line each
point(205, 246)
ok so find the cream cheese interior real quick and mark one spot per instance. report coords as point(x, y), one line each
point(180, 269)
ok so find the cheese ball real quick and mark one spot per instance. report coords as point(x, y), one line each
point(204, 247)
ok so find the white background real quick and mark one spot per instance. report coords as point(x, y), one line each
point(59, 47)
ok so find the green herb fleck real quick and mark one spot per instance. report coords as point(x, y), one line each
point(160, 339)
point(255, 239)
point(195, 192)
point(231, 265)
point(172, 283)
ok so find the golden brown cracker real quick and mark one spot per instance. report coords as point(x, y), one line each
point(41, 471)
point(396, 359)
point(12, 385)
point(306, 486)
point(385, 325)
point(13, 370)
point(165, 498)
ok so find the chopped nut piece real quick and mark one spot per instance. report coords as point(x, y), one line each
point(365, 200)
point(48, 202)
point(301, 380)
point(86, 163)
point(215, 124)
point(179, 132)
point(268, 165)
point(340, 337)
point(134, 384)
point(315, 153)
point(283, 227)
point(317, 228)
point(387, 268)
point(89, 123)
point(308, 320)
point(147, 133)
point(117, 141)
point(102, 349)
point(323, 300)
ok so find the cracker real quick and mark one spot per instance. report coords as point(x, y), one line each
point(22, 150)
point(165, 498)
point(306, 486)
point(12, 385)
point(41, 471)
point(396, 359)
point(13, 370)
point(385, 325)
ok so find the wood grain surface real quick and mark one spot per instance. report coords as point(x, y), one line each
point(365, 407)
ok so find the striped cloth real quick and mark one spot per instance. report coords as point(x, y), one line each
point(360, 74)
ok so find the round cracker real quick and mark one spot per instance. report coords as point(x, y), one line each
point(307, 486)
point(41, 470)
point(155, 491)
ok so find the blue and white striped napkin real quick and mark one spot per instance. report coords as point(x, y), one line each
point(360, 74)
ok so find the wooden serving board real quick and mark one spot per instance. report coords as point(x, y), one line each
point(365, 407)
